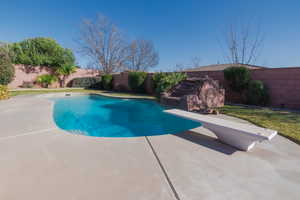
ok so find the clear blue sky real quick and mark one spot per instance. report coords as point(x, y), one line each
point(180, 29)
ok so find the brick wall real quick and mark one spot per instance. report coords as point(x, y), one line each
point(149, 85)
point(120, 82)
point(283, 83)
point(25, 74)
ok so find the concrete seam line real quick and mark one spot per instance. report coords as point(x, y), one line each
point(163, 169)
point(29, 133)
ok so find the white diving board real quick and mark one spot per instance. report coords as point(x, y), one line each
point(239, 135)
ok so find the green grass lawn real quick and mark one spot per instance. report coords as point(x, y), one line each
point(103, 92)
point(285, 122)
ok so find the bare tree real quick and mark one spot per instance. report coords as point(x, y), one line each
point(103, 43)
point(243, 44)
point(195, 61)
point(141, 55)
point(179, 67)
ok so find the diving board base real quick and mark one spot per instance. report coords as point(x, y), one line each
point(232, 138)
point(239, 135)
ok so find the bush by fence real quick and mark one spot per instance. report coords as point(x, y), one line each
point(136, 81)
point(237, 78)
point(165, 81)
point(46, 79)
point(107, 81)
point(257, 93)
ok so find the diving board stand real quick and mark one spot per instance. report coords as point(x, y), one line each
point(239, 135)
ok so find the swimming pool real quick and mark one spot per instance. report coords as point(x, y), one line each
point(99, 116)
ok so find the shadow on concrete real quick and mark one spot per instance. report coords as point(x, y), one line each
point(207, 141)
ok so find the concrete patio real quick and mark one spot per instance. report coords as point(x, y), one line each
point(40, 161)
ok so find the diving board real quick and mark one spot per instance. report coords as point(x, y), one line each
point(239, 135)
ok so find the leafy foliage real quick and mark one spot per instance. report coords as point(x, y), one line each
point(165, 81)
point(41, 52)
point(136, 81)
point(3, 92)
point(87, 82)
point(107, 81)
point(239, 80)
point(237, 77)
point(7, 70)
point(46, 79)
point(257, 93)
point(63, 72)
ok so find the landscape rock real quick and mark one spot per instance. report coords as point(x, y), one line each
point(195, 94)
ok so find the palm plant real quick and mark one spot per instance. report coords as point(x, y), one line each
point(46, 79)
point(63, 72)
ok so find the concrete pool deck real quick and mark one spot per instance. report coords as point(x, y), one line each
point(40, 161)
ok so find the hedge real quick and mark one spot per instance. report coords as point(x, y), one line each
point(257, 93)
point(86, 82)
point(107, 81)
point(238, 78)
point(136, 81)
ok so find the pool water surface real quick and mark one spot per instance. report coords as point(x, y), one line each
point(99, 116)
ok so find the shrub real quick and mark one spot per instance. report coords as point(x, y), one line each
point(46, 79)
point(165, 81)
point(157, 77)
point(7, 70)
point(107, 81)
point(41, 52)
point(87, 82)
point(3, 92)
point(136, 81)
point(237, 77)
point(63, 72)
point(257, 93)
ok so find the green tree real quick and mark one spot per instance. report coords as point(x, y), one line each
point(41, 52)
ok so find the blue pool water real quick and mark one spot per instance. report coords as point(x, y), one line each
point(99, 116)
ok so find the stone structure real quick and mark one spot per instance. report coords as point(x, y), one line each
point(201, 94)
